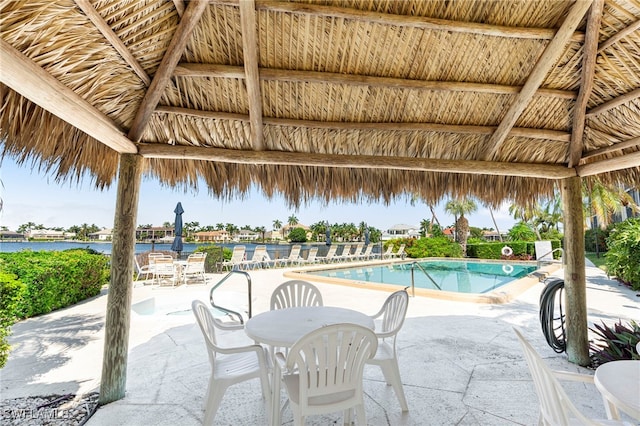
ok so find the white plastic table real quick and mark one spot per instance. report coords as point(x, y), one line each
point(619, 384)
point(283, 327)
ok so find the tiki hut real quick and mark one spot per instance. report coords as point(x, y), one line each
point(329, 99)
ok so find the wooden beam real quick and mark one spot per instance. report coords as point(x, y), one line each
point(26, 77)
point(609, 165)
point(403, 20)
point(270, 74)
point(575, 282)
point(113, 39)
point(179, 4)
point(553, 135)
point(589, 56)
point(171, 57)
point(615, 102)
point(631, 143)
point(179, 152)
point(619, 35)
point(540, 70)
point(117, 322)
point(248, 24)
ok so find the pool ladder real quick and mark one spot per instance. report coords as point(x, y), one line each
point(228, 311)
point(415, 265)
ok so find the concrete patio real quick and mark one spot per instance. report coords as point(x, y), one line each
point(460, 362)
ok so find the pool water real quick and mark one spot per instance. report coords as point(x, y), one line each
point(447, 275)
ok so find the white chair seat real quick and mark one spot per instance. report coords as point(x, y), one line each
point(385, 352)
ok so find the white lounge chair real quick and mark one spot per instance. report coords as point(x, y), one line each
point(237, 256)
point(194, 268)
point(346, 253)
point(164, 270)
point(388, 253)
point(257, 259)
point(331, 255)
point(292, 259)
point(399, 253)
point(311, 256)
point(366, 253)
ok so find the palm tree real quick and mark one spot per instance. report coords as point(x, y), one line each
point(277, 224)
point(425, 227)
point(292, 220)
point(459, 208)
point(494, 222)
point(262, 230)
point(219, 226)
point(527, 215)
point(604, 200)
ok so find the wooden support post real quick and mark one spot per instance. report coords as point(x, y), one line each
point(575, 284)
point(116, 342)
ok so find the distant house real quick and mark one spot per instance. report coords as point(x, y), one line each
point(49, 234)
point(220, 236)
point(246, 235)
point(103, 235)
point(11, 236)
point(491, 235)
point(286, 229)
point(154, 233)
point(449, 232)
point(401, 231)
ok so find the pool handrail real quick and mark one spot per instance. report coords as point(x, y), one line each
point(413, 285)
point(542, 259)
point(227, 310)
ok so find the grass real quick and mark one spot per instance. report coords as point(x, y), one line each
point(598, 261)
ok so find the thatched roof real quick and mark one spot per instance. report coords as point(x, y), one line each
point(352, 100)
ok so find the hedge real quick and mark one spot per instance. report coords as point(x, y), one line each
point(525, 250)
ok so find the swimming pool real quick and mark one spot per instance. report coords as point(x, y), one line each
point(462, 279)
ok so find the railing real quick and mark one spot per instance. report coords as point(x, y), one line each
point(415, 265)
point(542, 258)
point(227, 310)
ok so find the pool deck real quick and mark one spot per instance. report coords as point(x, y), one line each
point(460, 362)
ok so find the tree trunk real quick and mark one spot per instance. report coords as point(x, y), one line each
point(116, 341)
point(574, 273)
point(495, 224)
point(462, 229)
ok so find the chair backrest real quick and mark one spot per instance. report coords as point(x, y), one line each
point(394, 311)
point(295, 252)
point(164, 265)
point(238, 254)
point(389, 250)
point(400, 251)
point(313, 253)
point(358, 249)
point(346, 250)
point(555, 406)
point(259, 253)
point(367, 250)
point(330, 361)
point(332, 251)
point(543, 250)
point(207, 324)
point(295, 293)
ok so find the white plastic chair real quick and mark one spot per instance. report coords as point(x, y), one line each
point(392, 314)
point(556, 409)
point(228, 365)
point(295, 293)
point(323, 372)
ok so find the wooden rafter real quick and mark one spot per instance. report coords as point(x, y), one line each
point(545, 171)
point(248, 24)
point(26, 77)
point(619, 36)
point(113, 39)
point(615, 102)
point(270, 74)
point(545, 62)
point(403, 20)
point(179, 4)
point(169, 61)
point(611, 164)
point(551, 135)
point(590, 49)
point(630, 143)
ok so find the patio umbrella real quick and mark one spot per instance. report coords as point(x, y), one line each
point(177, 241)
point(328, 236)
point(366, 236)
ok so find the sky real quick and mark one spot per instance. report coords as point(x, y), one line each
point(31, 196)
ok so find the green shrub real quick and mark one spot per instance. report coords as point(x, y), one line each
point(55, 279)
point(614, 342)
point(215, 256)
point(298, 235)
point(521, 232)
point(11, 292)
point(623, 257)
point(432, 247)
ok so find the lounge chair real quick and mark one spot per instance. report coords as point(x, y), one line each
point(258, 258)
point(236, 258)
point(293, 258)
point(388, 253)
point(194, 268)
point(346, 253)
point(165, 270)
point(366, 253)
point(311, 256)
point(399, 253)
point(331, 255)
